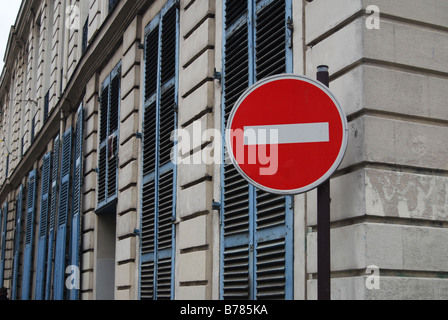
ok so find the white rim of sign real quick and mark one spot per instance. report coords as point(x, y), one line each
point(336, 163)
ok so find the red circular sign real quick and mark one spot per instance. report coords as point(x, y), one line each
point(287, 134)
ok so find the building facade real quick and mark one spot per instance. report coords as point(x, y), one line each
point(101, 199)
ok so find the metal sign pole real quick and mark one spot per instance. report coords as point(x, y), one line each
point(323, 222)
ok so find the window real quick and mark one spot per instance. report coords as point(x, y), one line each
point(29, 236)
point(46, 106)
point(33, 128)
point(112, 4)
point(256, 227)
point(41, 257)
point(75, 241)
point(22, 147)
point(52, 218)
point(7, 166)
point(62, 218)
point(17, 236)
point(85, 33)
point(109, 138)
point(3, 231)
point(159, 173)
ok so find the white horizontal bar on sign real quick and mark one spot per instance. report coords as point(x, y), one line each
point(288, 133)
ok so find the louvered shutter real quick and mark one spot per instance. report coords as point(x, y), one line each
point(235, 246)
point(2, 244)
point(3, 229)
point(53, 212)
point(29, 236)
point(17, 236)
point(43, 228)
point(7, 166)
point(109, 138)
point(274, 216)
point(113, 138)
point(102, 164)
point(77, 197)
point(159, 173)
point(61, 235)
point(256, 249)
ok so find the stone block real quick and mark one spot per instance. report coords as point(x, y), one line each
point(198, 72)
point(338, 50)
point(90, 182)
point(319, 21)
point(197, 103)
point(391, 288)
point(126, 224)
point(193, 233)
point(128, 200)
point(131, 58)
point(202, 38)
point(90, 163)
point(87, 260)
point(92, 87)
point(88, 220)
point(196, 199)
point(124, 294)
point(129, 151)
point(88, 240)
point(406, 195)
point(89, 201)
point(193, 293)
point(391, 247)
point(421, 11)
point(129, 127)
point(384, 140)
point(194, 14)
point(192, 266)
point(133, 33)
point(392, 43)
point(424, 249)
point(124, 274)
point(196, 135)
point(190, 171)
point(405, 93)
point(126, 250)
point(87, 284)
point(130, 81)
point(130, 104)
point(128, 175)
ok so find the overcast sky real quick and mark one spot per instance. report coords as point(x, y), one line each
point(8, 13)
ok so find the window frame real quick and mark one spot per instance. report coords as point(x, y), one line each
point(249, 18)
point(109, 199)
point(160, 170)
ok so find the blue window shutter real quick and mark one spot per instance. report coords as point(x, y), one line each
point(29, 236)
point(46, 106)
point(109, 138)
point(102, 163)
point(2, 244)
point(256, 227)
point(3, 228)
point(43, 228)
point(236, 246)
point(85, 34)
point(159, 173)
point(77, 192)
point(52, 218)
point(17, 236)
point(273, 219)
point(63, 211)
point(7, 167)
point(113, 134)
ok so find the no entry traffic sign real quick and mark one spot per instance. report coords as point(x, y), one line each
point(287, 134)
